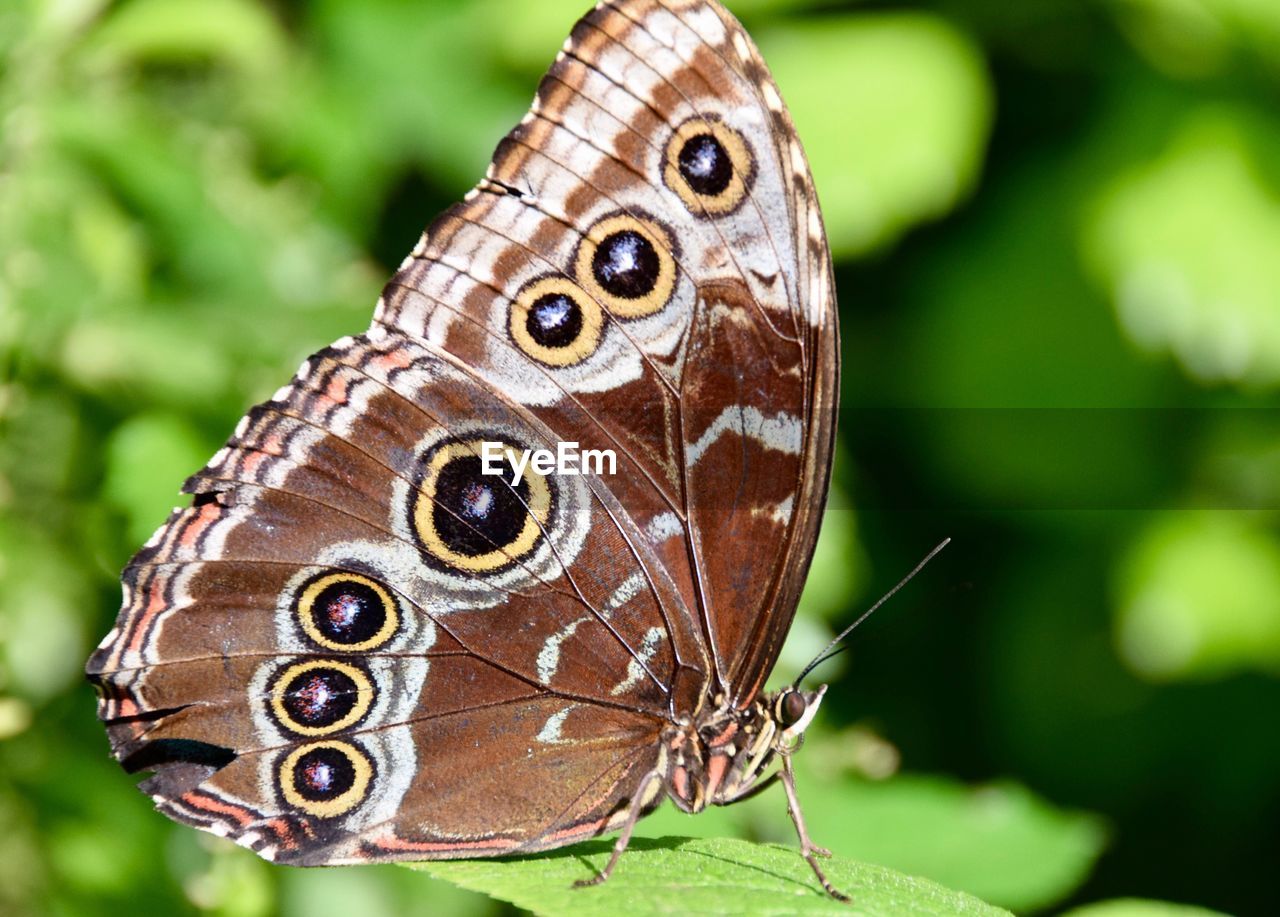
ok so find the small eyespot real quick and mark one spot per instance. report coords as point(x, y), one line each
point(320, 697)
point(325, 779)
point(791, 707)
point(705, 166)
point(555, 322)
point(628, 265)
point(347, 612)
point(710, 166)
point(475, 522)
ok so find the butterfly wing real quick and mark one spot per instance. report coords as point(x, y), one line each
point(711, 367)
point(352, 646)
point(355, 645)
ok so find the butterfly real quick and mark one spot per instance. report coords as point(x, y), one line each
point(388, 627)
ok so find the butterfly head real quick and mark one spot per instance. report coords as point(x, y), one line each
point(793, 710)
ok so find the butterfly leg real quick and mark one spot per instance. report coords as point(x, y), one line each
point(638, 802)
point(808, 849)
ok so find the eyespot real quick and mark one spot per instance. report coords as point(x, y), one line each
point(325, 779)
point(347, 612)
point(476, 522)
point(628, 265)
point(321, 697)
point(709, 165)
point(790, 708)
point(555, 322)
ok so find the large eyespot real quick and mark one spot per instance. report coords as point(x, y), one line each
point(555, 322)
point(791, 706)
point(320, 697)
point(628, 265)
point(325, 779)
point(348, 612)
point(476, 522)
point(710, 166)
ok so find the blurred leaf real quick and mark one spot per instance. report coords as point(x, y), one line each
point(376, 891)
point(437, 103)
point(838, 564)
point(533, 32)
point(15, 717)
point(1000, 842)
point(894, 111)
point(42, 590)
point(237, 32)
point(170, 450)
point(684, 876)
point(1240, 461)
point(153, 351)
point(233, 885)
point(1200, 597)
point(22, 873)
point(1135, 907)
point(1195, 38)
point(1186, 245)
point(836, 577)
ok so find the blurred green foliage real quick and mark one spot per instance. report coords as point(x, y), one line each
point(1057, 227)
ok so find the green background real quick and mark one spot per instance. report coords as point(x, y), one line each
point(1057, 232)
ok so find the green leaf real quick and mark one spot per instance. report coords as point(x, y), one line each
point(231, 31)
point(894, 111)
point(1200, 596)
point(147, 457)
point(1186, 245)
point(1000, 841)
point(1196, 39)
point(685, 876)
point(1137, 907)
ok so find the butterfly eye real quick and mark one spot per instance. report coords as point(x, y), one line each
point(348, 612)
point(321, 698)
point(555, 322)
point(475, 522)
point(709, 165)
point(628, 265)
point(325, 779)
point(791, 708)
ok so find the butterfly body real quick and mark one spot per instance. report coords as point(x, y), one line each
point(360, 644)
point(721, 760)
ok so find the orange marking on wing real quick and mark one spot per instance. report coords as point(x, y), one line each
point(386, 363)
point(581, 830)
point(155, 604)
point(200, 801)
point(205, 517)
point(283, 832)
point(398, 843)
point(336, 390)
point(251, 463)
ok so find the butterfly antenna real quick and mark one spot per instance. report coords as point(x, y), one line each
point(834, 648)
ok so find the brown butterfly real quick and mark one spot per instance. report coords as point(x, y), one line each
point(383, 631)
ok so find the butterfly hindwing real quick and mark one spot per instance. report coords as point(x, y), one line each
point(291, 609)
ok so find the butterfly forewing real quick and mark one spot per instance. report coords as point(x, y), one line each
point(356, 644)
point(720, 400)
